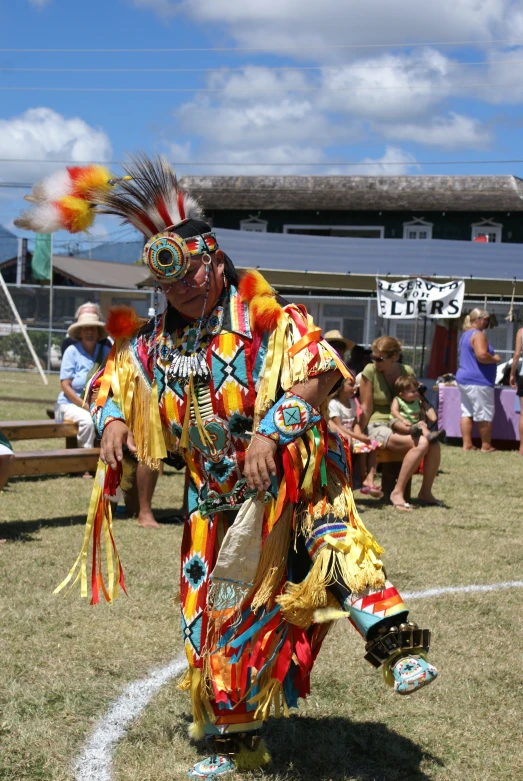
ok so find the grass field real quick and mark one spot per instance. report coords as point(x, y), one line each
point(64, 662)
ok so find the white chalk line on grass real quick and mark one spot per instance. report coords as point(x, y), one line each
point(437, 592)
point(95, 762)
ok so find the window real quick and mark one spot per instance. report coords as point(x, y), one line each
point(346, 231)
point(349, 318)
point(487, 228)
point(417, 228)
point(254, 224)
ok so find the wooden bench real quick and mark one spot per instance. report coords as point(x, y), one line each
point(55, 462)
point(49, 462)
point(390, 468)
point(16, 430)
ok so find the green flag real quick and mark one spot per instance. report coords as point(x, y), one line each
point(41, 262)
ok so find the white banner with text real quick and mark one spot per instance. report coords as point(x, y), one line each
point(412, 298)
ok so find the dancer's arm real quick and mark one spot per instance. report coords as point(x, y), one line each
point(259, 459)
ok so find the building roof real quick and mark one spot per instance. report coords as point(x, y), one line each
point(116, 252)
point(99, 273)
point(385, 193)
point(333, 263)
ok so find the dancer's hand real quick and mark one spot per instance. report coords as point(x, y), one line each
point(259, 463)
point(116, 434)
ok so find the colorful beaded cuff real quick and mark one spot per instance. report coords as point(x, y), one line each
point(288, 419)
point(102, 416)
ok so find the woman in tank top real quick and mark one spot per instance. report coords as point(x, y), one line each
point(376, 395)
point(476, 377)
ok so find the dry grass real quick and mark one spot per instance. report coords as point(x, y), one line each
point(64, 662)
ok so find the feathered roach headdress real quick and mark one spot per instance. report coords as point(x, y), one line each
point(148, 197)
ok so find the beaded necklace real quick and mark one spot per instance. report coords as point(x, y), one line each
point(190, 358)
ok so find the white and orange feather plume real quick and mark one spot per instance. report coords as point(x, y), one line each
point(148, 197)
point(65, 200)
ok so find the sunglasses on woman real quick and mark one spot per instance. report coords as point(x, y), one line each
point(377, 359)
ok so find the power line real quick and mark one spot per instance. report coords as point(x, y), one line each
point(403, 45)
point(252, 91)
point(328, 163)
point(242, 68)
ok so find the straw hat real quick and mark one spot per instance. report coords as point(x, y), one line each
point(85, 320)
point(335, 336)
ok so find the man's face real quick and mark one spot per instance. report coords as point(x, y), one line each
point(187, 296)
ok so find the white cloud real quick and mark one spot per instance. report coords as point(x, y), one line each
point(453, 132)
point(259, 125)
point(388, 87)
point(396, 95)
point(298, 27)
point(281, 159)
point(394, 162)
point(43, 134)
point(505, 74)
point(255, 119)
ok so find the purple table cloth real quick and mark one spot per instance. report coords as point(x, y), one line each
point(506, 419)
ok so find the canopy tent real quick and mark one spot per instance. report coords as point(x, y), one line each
point(334, 263)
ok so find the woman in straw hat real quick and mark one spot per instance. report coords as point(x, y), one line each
point(339, 342)
point(77, 364)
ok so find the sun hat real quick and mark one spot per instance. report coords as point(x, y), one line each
point(335, 336)
point(85, 320)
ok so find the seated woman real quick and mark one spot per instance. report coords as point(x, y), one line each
point(78, 363)
point(93, 309)
point(377, 391)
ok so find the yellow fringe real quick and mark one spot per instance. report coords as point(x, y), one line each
point(354, 559)
point(79, 569)
point(270, 694)
point(141, 409)
point(245, 759)
point(301, 599)
point(326, 615)
point(201, 707)
point(184, 684)
point(196, 732)
point(273, 561)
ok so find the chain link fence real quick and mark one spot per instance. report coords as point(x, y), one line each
point(33, 304)
point(355, 317)
point(358, 319)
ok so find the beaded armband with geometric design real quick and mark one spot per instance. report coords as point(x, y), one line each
point(288, 419)
point(102, 416)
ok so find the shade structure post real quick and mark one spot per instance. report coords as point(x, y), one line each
point(23, 329)
point(51, 293)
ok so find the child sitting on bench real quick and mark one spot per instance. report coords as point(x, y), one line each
point(410, 411)
point(343, 414)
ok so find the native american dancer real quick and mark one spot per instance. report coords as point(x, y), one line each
point(235, 379)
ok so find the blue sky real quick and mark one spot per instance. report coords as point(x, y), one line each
point(324, 90)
